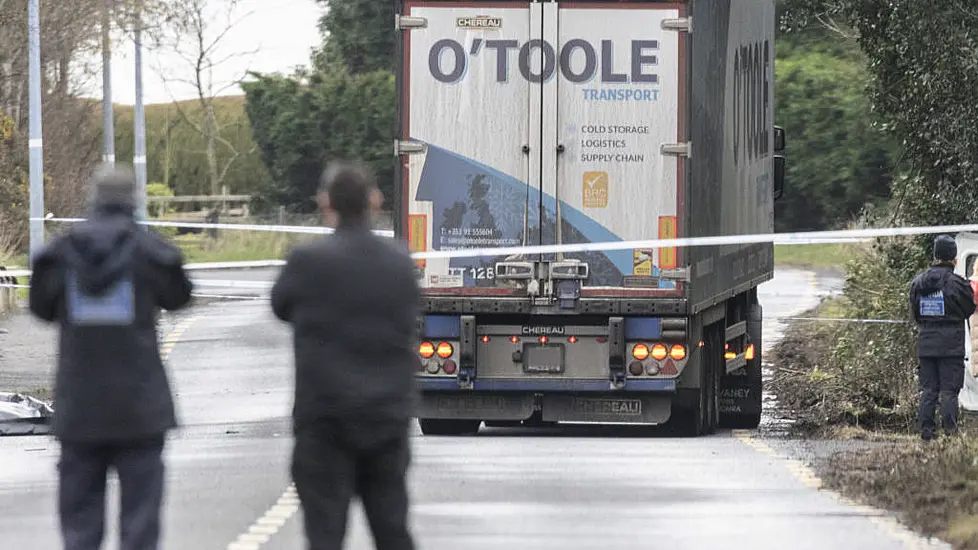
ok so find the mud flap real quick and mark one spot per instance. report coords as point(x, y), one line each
point(740, 391)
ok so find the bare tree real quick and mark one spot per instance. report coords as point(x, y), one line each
point(68, 35)
point(197, 35)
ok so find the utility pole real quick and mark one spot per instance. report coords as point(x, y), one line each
point(139, 120)
point(36, 139)
point(108, 126)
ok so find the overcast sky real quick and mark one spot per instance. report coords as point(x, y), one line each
point(283, 31)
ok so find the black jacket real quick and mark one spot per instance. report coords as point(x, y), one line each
point(353, 303)
point(940, 301)
point(103, 282)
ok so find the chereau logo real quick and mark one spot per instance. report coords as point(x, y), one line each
point(542, 331)
point(479, 22)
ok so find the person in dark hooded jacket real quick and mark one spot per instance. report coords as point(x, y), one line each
point(940, 301)
point(353, 304)
point(103, 283)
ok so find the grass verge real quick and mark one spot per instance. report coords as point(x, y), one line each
point(933, 486)
point(239, 246)
point(813, 256)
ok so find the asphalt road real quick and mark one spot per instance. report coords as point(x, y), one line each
point(569, 488)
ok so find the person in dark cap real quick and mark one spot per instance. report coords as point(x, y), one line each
point(353, 304)
point(940, 301)
point(103, 283)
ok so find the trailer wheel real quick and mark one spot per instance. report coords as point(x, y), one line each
point(440, 426)
point(703, 417)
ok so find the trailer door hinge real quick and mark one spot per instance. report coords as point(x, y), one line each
point(683, 24)
point(408, 147)
point(403, 22)
point(684, 149)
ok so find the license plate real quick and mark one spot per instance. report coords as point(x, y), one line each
point(543, 359)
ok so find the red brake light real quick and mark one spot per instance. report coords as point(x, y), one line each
point(427, 349)
point(640, 352)
point(445, 350)
point(678, 352)
point(659, 352)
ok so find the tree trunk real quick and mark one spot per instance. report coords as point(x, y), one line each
point(210, 124)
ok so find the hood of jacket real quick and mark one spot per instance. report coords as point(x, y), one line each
point(100, 251)
point(934, 279)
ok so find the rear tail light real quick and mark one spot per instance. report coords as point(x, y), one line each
point(669, 368)
point(678, 352)
point(427, 349)
point(659, 352)
point(448, 366)
point(730, 355)
point(514, 339)
point(635, 368)
point(572, 339)
point(749, 355)
point(544, 339)
point(485, 339)
point(445, 350)
point(640, 352)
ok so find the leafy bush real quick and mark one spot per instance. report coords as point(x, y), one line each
point(830, 373)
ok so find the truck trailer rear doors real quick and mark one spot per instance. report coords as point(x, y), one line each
point(517, 114)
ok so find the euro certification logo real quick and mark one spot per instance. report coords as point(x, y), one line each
point(595, 189)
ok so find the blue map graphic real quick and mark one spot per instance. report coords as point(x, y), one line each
point(477, 206)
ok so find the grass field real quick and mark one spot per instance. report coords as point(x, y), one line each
point(814, 256)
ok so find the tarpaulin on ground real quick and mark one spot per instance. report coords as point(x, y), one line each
point(24, 415)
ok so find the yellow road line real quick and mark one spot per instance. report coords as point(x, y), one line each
point(808, 478)
point(275, 518)
point(173, 337)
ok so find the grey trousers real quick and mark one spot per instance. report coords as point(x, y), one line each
point(82, 472)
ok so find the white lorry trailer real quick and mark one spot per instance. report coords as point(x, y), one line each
point(562, 122)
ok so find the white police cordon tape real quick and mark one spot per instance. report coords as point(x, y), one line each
point(233, 226)
point(808, 237)
point(846, 320)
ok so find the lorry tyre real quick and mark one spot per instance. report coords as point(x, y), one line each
point(703, 417)
point(749, 415)
point(440, 426)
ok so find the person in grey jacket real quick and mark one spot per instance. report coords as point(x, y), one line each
point(103, 283)
point(940, 301)
point(353, 304)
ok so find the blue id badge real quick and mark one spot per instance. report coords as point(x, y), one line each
point(116, 307)
point(932, 305)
